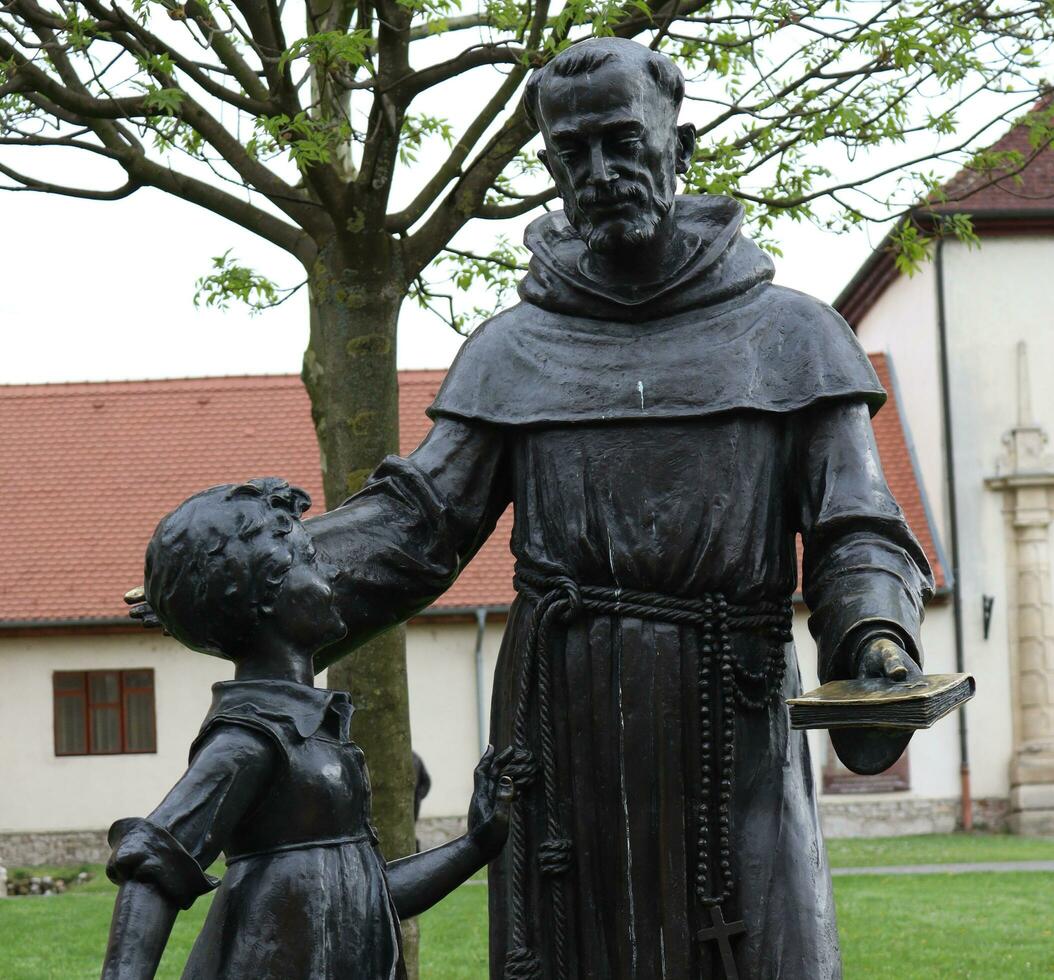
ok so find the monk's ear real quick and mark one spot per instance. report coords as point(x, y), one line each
point(685, 147)
point(544, 157)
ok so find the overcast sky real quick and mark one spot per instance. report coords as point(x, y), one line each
point(97, 291)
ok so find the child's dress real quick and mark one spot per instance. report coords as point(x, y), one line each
point(276, 783)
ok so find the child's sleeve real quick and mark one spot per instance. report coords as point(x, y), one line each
point(173, 846)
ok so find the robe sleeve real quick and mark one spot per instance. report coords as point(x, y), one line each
point(172, 847)
point(402, 540)
point(864, 573)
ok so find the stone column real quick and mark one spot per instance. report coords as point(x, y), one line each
point(1025, 474)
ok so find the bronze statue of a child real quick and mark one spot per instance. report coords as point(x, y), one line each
point(274, 780)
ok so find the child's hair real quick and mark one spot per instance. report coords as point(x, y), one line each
point(215, 563)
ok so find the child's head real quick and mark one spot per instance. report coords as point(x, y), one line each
point(233, 561)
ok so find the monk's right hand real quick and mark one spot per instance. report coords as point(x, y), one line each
point(888, 660)
point(141, 610)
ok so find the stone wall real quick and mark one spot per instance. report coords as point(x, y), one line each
point(73, 848)
point(885, 815)
point(894, 815)
point(432, 831)
point(888, 815)
point(63, 848)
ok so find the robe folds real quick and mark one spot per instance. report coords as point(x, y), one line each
point(675, 443)
point(275, 784)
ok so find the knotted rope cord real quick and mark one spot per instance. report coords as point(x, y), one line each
point(561, 598)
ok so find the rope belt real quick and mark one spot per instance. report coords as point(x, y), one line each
point(560, 599)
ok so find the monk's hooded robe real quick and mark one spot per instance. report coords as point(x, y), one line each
point(670, 441)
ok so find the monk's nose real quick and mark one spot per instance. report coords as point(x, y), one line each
point(599, 172)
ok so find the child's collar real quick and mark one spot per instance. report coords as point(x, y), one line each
point(307, 707)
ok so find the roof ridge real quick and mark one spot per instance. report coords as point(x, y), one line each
point(44, 387)
point(198, 382)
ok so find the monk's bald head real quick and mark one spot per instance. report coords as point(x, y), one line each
point(588, 57)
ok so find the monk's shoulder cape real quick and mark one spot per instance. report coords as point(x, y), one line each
point(772, 350)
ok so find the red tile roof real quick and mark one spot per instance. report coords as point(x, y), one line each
point(93, 466)
point(898, 465)
point(1032, 189)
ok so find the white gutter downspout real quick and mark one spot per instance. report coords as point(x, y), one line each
point(481, 686)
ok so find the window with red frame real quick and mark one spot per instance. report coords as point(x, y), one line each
point(104, 712)
point(838, 779)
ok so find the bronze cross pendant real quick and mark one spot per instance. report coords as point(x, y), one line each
point(720, 932)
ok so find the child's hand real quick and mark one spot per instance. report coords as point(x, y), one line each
point(497, 779)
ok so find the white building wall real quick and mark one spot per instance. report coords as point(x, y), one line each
point(40, 791)
point(444, 707)
point(995, 296)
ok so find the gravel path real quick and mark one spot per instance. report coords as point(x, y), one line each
point(947, 869)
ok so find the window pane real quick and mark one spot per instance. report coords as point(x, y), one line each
point(139, 678)
point(69, 726)
point(106, 729)
point(103, 687)
point(69, 681)
point(139, 721)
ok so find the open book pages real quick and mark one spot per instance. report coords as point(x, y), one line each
point(881, 703)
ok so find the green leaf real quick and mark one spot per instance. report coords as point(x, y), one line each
point(166, 101)
point(233, 282)
point(330, 50)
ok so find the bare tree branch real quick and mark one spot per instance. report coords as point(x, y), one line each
point(381, 148)
point(501, 53)
point(27, 183)
point(447, 25)
point(256, 104)
point(228, 53)
point(465, 197)
point(492, 259)
point(498, 212)
point(450, 169)
point(289, 237)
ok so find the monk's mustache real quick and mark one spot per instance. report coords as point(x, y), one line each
point(608, 194)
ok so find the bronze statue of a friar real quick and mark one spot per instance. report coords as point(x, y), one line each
point(665, 422)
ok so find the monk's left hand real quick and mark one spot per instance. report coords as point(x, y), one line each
point(882, 657)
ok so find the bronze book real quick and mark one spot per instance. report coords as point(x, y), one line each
point(881, 703)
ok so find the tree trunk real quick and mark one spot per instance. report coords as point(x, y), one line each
point(350, 375)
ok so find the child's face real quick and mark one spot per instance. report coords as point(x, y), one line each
point(304, 609)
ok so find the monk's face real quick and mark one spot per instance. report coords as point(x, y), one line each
point(613, 148)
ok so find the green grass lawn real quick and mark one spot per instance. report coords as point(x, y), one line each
point(933, 927)
point(938, 849)
point(924, 927)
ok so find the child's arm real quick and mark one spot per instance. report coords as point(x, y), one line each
point(139, 930)
point(159, 862)
point(418, 881)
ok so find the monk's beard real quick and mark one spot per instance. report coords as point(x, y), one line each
point(615, 233)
